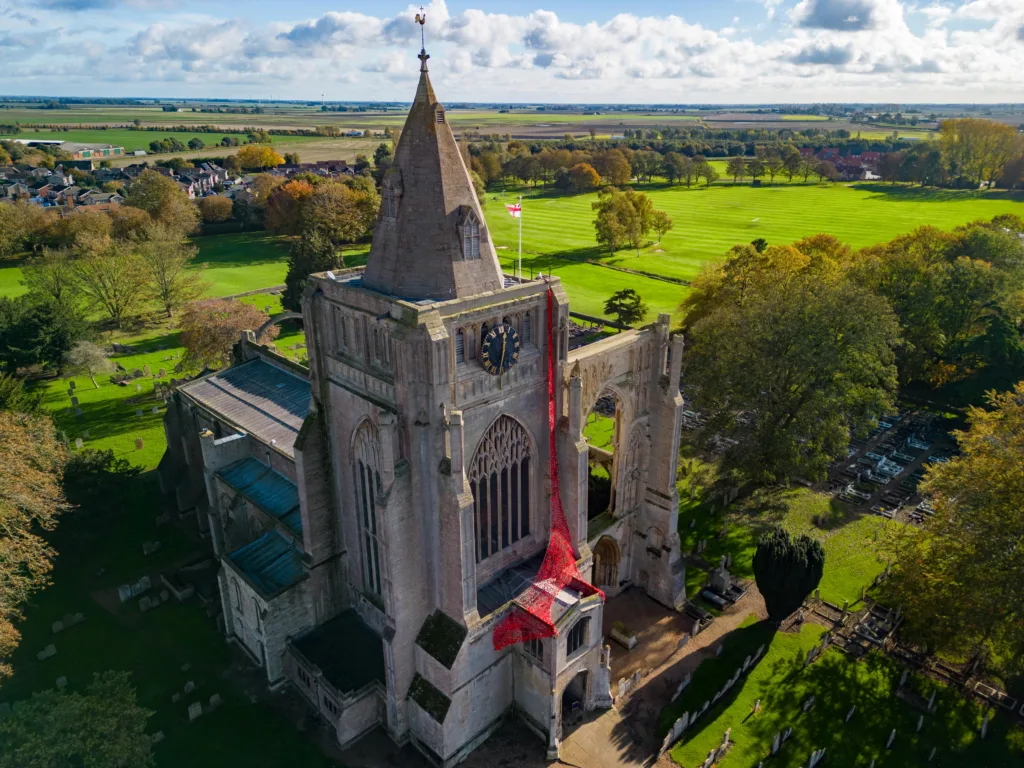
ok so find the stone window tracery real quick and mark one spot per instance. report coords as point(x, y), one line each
point(366, 471)
point(499, 477)
point(577, 636)
point(389, 201)
point(460, 346)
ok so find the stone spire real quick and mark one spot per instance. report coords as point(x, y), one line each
point(428, 205)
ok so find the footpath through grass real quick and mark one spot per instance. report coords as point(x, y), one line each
point(783, 684)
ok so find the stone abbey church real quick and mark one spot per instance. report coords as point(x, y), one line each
point(377, 514)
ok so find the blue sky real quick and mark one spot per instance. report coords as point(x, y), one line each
point(688, 51)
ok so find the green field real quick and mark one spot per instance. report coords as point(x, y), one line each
point(558, 232)
point(783, 684)
point(132, 140)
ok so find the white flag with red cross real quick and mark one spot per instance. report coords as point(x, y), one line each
point(515, 211)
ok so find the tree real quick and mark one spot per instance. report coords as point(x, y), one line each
point(104, 727)
point(755, 167)
point(960, 578)
point(383, 155)
point(173, 281)
point(284, 206)
point(806, 168)
point(37, 331)
point(164, 201)
point(661, 223)
point(826, 170)
point(792, 161)
point(584, 177)
point(212, 327)
point(773, 164)
point(759, 244)
point(14, 396)
point(622, 217)
point(890, 167)
point(704, 170)
point(627, 306)
point(308, 255)
point(22, 227)
point(339, 212)
point(196, 144)
point(87, 359)
point(787, 570)
point(114, 281)
point(737, 168)
point(52, 275)
point(258, 156)
point(215, 209)
point(31, 501)
point(128, 223)
point(804, 352)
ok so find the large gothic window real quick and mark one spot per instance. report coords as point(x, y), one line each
point(366, 468)
point(499, 476)
point(471, 238)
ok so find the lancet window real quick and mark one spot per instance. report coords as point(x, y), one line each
point(499, 477)
point(366, 469)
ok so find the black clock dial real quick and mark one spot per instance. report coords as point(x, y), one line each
point(500, 349)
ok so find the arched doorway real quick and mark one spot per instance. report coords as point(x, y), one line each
point(606, 562)
point(573, 704)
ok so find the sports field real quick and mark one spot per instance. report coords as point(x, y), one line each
point(133, 140)
point(558, 229)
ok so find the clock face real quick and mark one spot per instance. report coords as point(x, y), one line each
point(500, 349)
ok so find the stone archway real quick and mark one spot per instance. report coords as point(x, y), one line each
point(606, 562)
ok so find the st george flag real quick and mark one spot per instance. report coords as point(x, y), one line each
point(515, 211)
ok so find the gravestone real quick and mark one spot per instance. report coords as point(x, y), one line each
point(809, 703)
point(194, 711)
point(164, 596)
point(156, 410)
point(190, 686)
point(145, 370)
point(931, 755)
point(728, 560)
point(138, 443)
point(79, 443)
point(71, 384)
point(215, 700)
point(920, 723)
point(144, 604)
point(682, 642)
point(62, 683)
point(162, 373)
point(775, 743)
point(85, 433)
point(58, 626)
point(984, 727)
point(175, 698)
point(903, 677)
point(47, 652)
point(74, 400)
point(817, 594)
point(138, 387)
point(850, 713)
point(78, 411)
point(138, 413)
point(718, 650)
point(158, 737)
point(892, 738)
point(931, 702)
point(721, 580)
point(124, 592)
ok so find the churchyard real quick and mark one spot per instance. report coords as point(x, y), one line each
point(176, 655)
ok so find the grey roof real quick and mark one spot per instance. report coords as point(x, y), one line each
point(418, 253)
point(347, 651)
point(513, 582)
point(258, 398)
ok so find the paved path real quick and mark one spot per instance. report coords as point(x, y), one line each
point(624, 736)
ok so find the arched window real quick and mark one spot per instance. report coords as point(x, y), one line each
point(499, 476)
point(366, 471)
point(238, 596)
point(389, 201)
point(471, 238)
point(527, 331)
point(256, 613)
point(460, 346)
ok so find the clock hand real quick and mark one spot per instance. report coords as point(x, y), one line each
point(504, 341)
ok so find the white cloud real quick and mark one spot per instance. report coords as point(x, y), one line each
point(820, 50)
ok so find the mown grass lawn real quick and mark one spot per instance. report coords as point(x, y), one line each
point(850, 538)
point(558, 229)
point(131, 140)
point(100, 549)
point(782, 684)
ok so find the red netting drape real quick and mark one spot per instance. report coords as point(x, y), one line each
point(531, 616)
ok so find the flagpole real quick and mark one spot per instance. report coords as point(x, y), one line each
point(520, 238)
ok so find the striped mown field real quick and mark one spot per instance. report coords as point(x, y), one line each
point(709, 221)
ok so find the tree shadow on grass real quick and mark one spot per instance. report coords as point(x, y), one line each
point(241, 249)
point(111, 417)
point(916, 194)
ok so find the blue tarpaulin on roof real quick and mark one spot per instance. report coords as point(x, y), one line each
point(271, 563)
point(269, 490)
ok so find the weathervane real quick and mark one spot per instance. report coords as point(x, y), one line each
point(421, 19)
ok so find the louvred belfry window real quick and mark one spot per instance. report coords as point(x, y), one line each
point(471, 238)
point(499, 477)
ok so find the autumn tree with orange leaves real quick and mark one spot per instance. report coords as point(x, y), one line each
point(210, 328)
point(31, 499)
